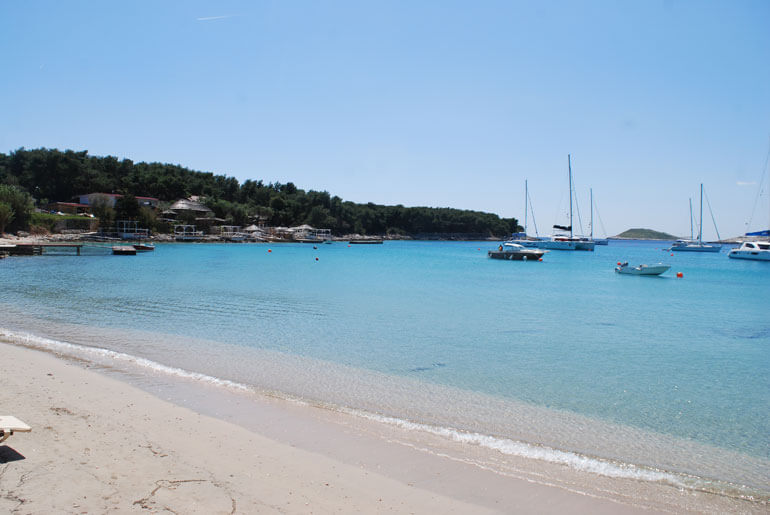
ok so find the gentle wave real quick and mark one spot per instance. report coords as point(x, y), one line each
point(525, 450)
point(30, 340)
point(504, 446)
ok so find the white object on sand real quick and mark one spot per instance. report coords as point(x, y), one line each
point(9, 425)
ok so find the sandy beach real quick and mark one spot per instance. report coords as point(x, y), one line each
point(99, 444)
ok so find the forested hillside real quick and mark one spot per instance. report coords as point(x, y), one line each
point(50, 175)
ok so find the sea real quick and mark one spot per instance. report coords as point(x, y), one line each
point(662, 379)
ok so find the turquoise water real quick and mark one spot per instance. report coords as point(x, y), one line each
point(683, 360)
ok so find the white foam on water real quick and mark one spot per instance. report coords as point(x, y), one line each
point(537, 452)
point(30, 340)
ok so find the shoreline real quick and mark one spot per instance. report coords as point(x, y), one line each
point(363, 457)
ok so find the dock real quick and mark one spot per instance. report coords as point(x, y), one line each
point(36, 249)
point(124, 250)
point(369, 241)
point(39, 249)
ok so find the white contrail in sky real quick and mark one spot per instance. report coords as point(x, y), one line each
point(744, 183)
point(209, 18)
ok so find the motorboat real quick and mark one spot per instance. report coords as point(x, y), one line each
point(144, 247)
point(756, 250)
point(657, 269)
point(516, 252)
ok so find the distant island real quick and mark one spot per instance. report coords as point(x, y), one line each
point(645, 234)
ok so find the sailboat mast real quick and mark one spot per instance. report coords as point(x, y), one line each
point(569, 165)
point(591, 190)
point(700, 222)
point(526, 199)
point(690, 218)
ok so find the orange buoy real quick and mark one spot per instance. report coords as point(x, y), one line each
point(672, 253)
point(269, 250)
point(540, 259)
point(618, 263)
point(679, 275)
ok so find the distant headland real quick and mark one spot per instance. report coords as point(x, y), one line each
point(644, 234)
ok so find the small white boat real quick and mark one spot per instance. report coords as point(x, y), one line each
point(657, 269)
point(756, 250)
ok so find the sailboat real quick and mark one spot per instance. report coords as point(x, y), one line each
point(598, 241)
point(764, 232)
point(521, 238)
point(567, 241)
point(696, 245)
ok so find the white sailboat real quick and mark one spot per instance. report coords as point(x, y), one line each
point(696, 245)
point(598, 241)
point(521, 238)
point(567, 241)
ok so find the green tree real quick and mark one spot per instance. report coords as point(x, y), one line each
point(147, 218)
point(101, 207)
point(6, 215)
point(127, 207)
point(21, 205)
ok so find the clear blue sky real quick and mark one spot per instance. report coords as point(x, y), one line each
point(436, 103)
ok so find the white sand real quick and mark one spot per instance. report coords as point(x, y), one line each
point(100, 445)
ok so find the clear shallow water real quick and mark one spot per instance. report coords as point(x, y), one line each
point(662, 372)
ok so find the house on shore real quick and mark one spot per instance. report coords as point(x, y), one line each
point(89, 198)
point(184, 211)
point(69, 208)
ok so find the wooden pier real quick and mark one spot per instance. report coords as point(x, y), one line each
point(36, 249)
point(124, 250)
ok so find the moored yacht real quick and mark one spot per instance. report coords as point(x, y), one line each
point(564, 240)
point(692, 245)
point(755, 250)
point(695, 246)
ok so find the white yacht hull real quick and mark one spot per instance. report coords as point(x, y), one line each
point(697, 248)
point(743, 254)
point(755, 251)
point(556, 244)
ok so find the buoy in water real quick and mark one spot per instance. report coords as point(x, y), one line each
point(679, 275)
point(540, 259)
point(316, 259)
point(618, 263)
point(269, 250)
point(672, 253)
